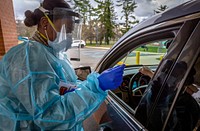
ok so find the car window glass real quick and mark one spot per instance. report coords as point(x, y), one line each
point(186, 106)
point(147, 54)
point(194, 90)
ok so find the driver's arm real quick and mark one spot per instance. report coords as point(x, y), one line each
point(146, 71)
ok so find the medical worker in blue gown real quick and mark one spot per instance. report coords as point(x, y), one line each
point(32, 73)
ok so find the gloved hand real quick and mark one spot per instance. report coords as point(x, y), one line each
point(111, 78)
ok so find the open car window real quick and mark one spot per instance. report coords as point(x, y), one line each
point(134, 84)
point(147, 54)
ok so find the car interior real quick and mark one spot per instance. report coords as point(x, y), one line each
point(134, 83)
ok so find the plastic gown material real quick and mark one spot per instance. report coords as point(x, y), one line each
point(29, 91)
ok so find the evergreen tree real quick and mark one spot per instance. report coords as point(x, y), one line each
point(106, 16)
point(99, 14)
point(82, 7)
point(85, 9)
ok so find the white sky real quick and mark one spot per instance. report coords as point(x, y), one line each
point(145, 8)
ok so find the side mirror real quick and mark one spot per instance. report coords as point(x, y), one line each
point(83, 72)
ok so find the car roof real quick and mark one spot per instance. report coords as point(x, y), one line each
point(182, 10)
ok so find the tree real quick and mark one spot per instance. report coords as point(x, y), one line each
point(160, 9)
point(109, 23)
point(106, 16)
point(23, 30)
point(84, 8)
point(99, 17)
point(128, 7)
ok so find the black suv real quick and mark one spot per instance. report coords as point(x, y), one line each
point(162, 102)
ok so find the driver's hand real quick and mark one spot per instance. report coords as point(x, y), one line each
point(146, 71)
point(190, 89)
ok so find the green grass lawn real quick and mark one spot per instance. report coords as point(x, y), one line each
point(97, 45)
point(155, 49)
point(152, 49)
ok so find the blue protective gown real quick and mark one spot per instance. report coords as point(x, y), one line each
point(29, 91)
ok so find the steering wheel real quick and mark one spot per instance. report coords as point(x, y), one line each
point(138, 79)
point(143, 80)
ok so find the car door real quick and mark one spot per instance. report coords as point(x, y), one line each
point(163, 83)
point(182, 103)
point(141, 117)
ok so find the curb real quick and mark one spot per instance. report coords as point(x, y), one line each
point(104, 48)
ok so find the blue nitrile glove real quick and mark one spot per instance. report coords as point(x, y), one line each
point(111, 78)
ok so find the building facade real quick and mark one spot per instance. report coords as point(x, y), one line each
point(8, 31)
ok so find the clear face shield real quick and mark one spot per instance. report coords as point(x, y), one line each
point(68, 27)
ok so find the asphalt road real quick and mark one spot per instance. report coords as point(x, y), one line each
point(88, 56)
